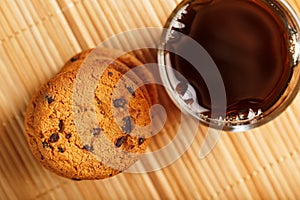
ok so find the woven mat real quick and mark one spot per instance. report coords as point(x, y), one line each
point(37, 37)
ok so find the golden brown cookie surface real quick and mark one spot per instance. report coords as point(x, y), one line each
point(68, 147)
point(128, 61)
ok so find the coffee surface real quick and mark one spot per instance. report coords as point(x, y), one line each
point(247, 41)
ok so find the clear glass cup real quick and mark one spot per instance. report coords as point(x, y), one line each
point(183, 93)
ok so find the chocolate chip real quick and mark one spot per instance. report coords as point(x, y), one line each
point(49, 99)
point(76, 179)
point(110, 73)
point(45, 144)
point(181, 88)
point(127, 128)
point(141, 141)
point(60, 149)
point(69, 135)
point(60, 125)
point(88, 147)
point(119, 141)
point(110, 175)
point(42, 157)
point(131, 91)
point(54, 138)
point(119, 103)
point(96, 131)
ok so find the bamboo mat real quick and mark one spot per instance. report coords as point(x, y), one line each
point(37, 37)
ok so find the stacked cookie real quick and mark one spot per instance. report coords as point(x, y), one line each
point(91, 121)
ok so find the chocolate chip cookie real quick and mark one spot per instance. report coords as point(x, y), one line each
point(89, 138)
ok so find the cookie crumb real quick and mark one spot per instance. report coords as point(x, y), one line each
point(54, 138)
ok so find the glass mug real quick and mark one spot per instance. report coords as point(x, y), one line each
point(231, 64)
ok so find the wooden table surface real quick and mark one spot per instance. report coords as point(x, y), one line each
point(37, 37)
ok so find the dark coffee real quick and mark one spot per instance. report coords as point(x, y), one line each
point(248, 42)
